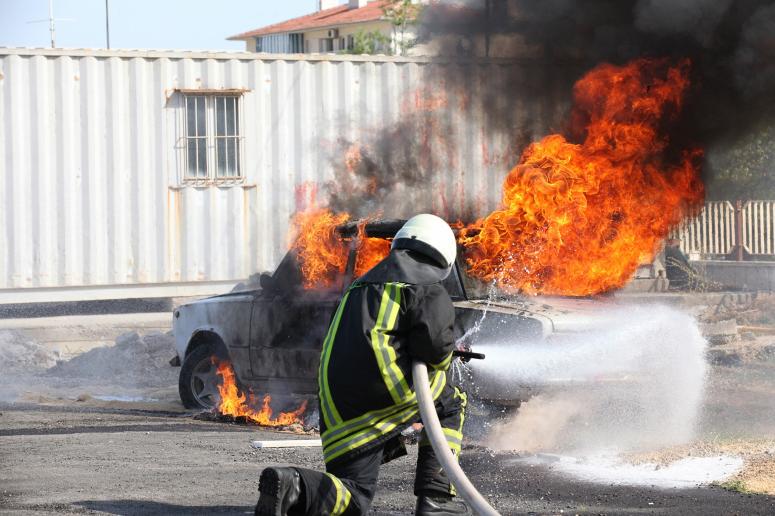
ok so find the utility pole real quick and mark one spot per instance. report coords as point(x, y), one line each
point(107, 23)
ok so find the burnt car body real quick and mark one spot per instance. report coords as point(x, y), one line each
point(272, 332)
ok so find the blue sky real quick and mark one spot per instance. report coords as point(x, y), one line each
point(154, 24)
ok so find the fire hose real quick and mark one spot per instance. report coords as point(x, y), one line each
point(430, 420)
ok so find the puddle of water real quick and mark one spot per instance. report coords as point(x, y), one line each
point(609, 469)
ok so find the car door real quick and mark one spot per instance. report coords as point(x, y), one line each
point(288, 326)
point(286, 334)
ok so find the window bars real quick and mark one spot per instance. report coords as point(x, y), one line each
point(213, 139)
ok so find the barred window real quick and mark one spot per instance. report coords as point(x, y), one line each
point(213, 139)
point(196, 139)
point(227, 137)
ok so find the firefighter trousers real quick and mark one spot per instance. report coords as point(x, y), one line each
point(348, 486)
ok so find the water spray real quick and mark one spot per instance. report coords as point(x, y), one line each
point(634, 379)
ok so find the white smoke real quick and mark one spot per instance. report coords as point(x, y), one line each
point(134, 367)
point(634, 380)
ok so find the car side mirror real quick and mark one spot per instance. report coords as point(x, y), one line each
point(266, 281)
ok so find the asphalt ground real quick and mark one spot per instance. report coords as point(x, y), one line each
point(78, 459)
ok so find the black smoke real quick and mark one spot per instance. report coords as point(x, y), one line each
point(731, 44)
point(416, 165)
point(505, 70)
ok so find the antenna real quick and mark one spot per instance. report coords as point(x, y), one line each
point(107, 23)
point(51, 22)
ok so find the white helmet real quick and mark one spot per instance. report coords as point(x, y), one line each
point(429, 235)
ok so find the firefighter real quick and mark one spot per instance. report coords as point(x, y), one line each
point(396, 313)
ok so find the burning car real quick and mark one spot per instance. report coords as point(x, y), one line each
point(271, 332)
point(579, 213)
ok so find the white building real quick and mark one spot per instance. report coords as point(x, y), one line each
point(332, 28)
point(142, 174)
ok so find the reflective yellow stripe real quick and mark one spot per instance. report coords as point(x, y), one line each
point(463, 404)
point(371, 418)
point(343, 496)
point(332, 436)
point(369, 434)
point(453, 434)
point(459, 432)
point(440, 378)
point(454, 438)
point(444, 364)
point(328, 410)
point(387, 316)
point(403, 386)
point(346, 502)
point(377, 428)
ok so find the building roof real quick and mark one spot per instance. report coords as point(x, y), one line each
point(340, 15)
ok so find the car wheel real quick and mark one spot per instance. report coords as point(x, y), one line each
point(198, 382)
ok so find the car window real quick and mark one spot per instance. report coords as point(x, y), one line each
point(473, 288)
point(454, 285)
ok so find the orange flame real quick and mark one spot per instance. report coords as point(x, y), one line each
point(321, 252)
point(371, 251)
point(237, 404)
point(578, 219)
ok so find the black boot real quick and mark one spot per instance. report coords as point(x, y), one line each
point(279, 490)
point(440, 505)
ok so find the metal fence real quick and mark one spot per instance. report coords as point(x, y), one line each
point(758, 226)
point(711, 232)
point(743, 230)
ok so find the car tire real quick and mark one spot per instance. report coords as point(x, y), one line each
point(198, 381)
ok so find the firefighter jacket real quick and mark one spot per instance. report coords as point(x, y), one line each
point(397, 312)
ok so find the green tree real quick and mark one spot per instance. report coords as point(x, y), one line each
point(744, 169)
point(372, 42)
point(401, 14)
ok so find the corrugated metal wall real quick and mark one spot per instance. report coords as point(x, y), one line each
point(91, 163)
